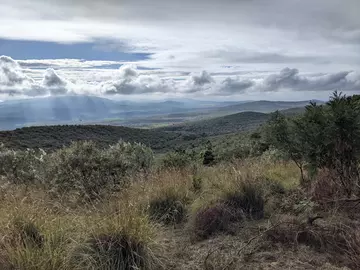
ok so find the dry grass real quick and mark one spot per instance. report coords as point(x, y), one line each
point(85, 236)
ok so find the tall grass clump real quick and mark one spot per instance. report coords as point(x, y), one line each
point(226, 198)
point(122, 241)
point(168, 207)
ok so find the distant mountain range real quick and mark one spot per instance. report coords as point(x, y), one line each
point(91, 109)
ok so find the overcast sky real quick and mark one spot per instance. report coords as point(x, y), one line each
point(243, 49)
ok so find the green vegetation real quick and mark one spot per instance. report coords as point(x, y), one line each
point(239, 122)
point(284, 195)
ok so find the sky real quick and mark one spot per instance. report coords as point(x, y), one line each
point(205, 49)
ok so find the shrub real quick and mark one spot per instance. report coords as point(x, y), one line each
point(210, 220)
point(88, 172)
point(179, 159)
point(168, 208)
point(248, 200)
point(340, 240)
point(209, 158)
point(20, 167)
point(197, 184)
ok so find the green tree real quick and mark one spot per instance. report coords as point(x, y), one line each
point(208, 158)
point(282, 134)
point(325, 136)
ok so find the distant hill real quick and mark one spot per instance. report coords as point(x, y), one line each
point(159, 139)
point(65, 109)
point(53, 137)
point(90, 109)
point(239, 122)
point(263, 106)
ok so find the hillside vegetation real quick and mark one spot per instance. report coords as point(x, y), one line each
point(287, 197)
point(239, 122)
point(54, 137)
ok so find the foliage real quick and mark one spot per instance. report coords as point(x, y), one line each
point(88, 171)
point(179, 159)
point(325, 136)
point(208, 158)
point(51, 138)
point(20, 167)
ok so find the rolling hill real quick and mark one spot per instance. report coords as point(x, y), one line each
point(238, 122)
point(159, 139)
point(62, 110)
point(53, 137)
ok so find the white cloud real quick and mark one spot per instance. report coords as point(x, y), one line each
point(130, 81)
point(11, 73)
point(291, 79)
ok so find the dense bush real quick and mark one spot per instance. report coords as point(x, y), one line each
point(179, 159)
point(325, 137)
point(87, 171)
point(20, 167)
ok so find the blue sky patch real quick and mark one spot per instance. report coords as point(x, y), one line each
point(24, 50)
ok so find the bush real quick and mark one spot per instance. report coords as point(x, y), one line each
point(20, 167)
point(340, 240)
point(168, 208)
point(248, 200)
point(210, 220)
point(197, 184)
point(179, 159)
point(86, 171)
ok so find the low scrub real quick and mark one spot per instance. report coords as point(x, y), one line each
point(88, 172)
point(20, 167)
point(211, 220)
point(248, 200)
point(220, 205)
point(340, 240)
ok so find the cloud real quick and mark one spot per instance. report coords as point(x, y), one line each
point(289, 78)
point(14, 81)
point(201, 80)
point(11, 73)
point(129, 80)
point(247, 33)
point(54, 83)
point(231, 86)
